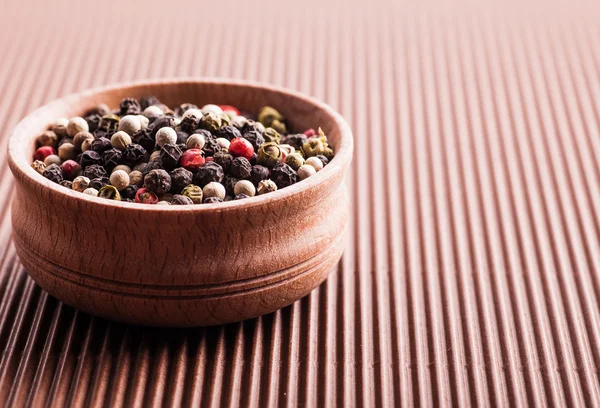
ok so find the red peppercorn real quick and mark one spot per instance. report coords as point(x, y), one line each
point(145, 196)
point(209, 159)
point(42, 152)
point(310, 132)
point(241, 147)
point(70, 169)
point(229, 108)
point(192, 159)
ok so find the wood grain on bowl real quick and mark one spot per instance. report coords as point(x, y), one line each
point(184, 265)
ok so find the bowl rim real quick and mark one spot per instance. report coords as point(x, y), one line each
point(18, 162)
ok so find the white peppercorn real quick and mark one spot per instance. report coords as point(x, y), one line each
point(38, 166)
point(195, 141)
point(66, 151)
point(153, 112)
point(244, 187)
point(266, 186)
point(120, 140)
point(144, 121)
point(136, 178)
point(305, 171)
point(214, 189)
point(239, 121)
point(91, 191)
point(130, 124)
point(224, 143)
point(87, 144)
point(119, 179)
point(80, 183)
point(123, 167)
point(315, 162)
point(52, 159)
point(166, 135)
point(77, 124)
point(197, 113)
point(211, 108)
point(60, 127)
point(163, 203)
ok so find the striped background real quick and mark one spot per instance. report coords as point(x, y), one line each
point(472, 273)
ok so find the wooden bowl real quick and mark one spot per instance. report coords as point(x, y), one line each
point(182, 265)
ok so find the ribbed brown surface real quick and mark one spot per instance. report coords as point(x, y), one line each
point(472, 272)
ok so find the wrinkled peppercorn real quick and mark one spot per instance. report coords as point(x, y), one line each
point(258, 174)
point(211, 146)
point(212, 200)
point(240, 168)
point(180, 178)
point(194, 193)
point(251, 125)
point(130, 106)
point(182, 137)
point(228, 132)
point(111, 158)
point(67, 183)
point(145, 196)
point(224, 160)
point(179, 199)
point(53, 173)
point(133, 154)
point(129, 191)
point(229, 183)
point(148, 101)
point(209, 172)
point(295, 140)
point(211, 122)
point(255, 138)
point(158, 181)
point(283, 175)
point(145, 139)
point(94, 171)
point(98, 183)
point(271, 135)
point(89, 158)
point(101, 145)
point(269, 154)
point(170, 156)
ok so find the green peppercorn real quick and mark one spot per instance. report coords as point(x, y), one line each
point(269, 154)
point(294, 160)
point(194, 193)
point(313, 147)
point(268, 114)
point(211, 122)
point(271, 135)
point(109, 192)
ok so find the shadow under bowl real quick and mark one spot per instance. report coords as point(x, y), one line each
point(182, 266)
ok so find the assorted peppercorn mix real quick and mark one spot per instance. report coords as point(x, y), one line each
point(147, 153)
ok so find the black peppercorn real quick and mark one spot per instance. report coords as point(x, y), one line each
point(101, 145)
point(89, 158)
point(223, 159)
point(209, 172)
point(241, 196)
point(324, 159)
point(189, 123)
point(258, 174)
point(99, 182)
point(228, 132)
point(251, 125)
point(295, 140)
point(255, 138)
point(159, 123)
point(212, 200)
point(145, 139)
point(229, 183)
point(148, 101)
point(153, 165)
point(67, 183)
point(182, 137)
point(180, 178)
point(94, 171)
point(111, 158)
point(129, 106)
point(108, 123)
point(129, 191)
point(133, 154)
point(53, 173)
point(179, 199)
point(240, 168)
point(211, 146)
point(93, 119)
point(170, 155)
point(254, 159)
point(283, 175)
point(158, 181)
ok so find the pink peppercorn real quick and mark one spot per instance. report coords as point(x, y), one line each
point(229, 108)
point(145, 196)
point(192, 159)
point(241, 147)
point(70, 169)
point(42, 152)
point(310, 133)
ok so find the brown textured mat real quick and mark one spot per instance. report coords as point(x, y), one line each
point(472, 272)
